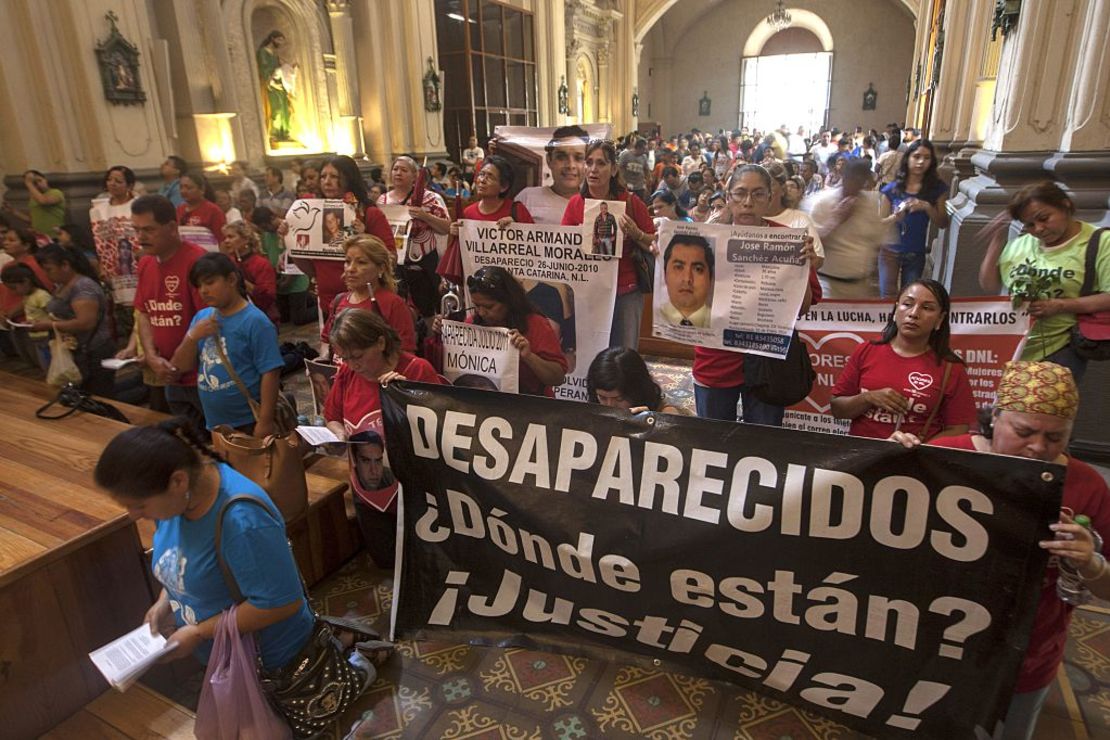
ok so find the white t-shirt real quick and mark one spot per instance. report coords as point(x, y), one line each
point(796, 219)
point(545, 205)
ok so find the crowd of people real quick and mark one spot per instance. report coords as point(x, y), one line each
point(135, 286)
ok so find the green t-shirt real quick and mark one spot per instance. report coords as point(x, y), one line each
point(1066, 265)
point(47, 219)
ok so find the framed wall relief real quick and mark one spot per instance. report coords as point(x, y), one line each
point(118, 60)
point(870, 97)
point(704, 104)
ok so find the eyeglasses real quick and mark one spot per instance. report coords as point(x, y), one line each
point(741, 195)
point(484, 281)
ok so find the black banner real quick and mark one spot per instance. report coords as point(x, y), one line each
point(891, 589)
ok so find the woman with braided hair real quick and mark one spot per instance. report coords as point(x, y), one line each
point(167, 473)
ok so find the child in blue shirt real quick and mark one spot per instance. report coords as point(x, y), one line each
point(249, 341)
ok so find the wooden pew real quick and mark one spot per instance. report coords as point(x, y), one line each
point(138, 713)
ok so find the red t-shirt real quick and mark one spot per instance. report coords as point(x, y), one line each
point(164, 294)
point(207, 214)
point(875, 366)
point(261, 274)
point(545, 344)
point(329, 273)
point(638, 212)
point(1085, 492)
point(356, 402)
point(724, 368)
point(11, 302)
point(506, 210)
point(386, 304)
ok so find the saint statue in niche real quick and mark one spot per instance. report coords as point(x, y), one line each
point(278, 79)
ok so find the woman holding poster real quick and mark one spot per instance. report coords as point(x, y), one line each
point(499, 300)
point(429, 217)
point(340, 179)
point(909, 379)
point(603, 182)
point(492, 186)
point(719, 373)
point(372, 355)
point(1036, 405)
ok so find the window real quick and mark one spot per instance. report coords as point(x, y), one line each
point(488, 56)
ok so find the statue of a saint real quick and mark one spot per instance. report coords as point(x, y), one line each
point(278, 79)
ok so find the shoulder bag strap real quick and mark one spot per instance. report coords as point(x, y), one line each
point(1090, 267)
point(235, 376)
point(225, 569)
point(940, 401)
point(512, 211)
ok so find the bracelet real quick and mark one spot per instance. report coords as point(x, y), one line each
point(1102, 565)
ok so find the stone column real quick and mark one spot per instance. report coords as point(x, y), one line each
point(1082, 161)
point(348, 126)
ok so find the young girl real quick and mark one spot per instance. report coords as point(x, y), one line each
point(21, 281)
point(292, 288)
point(368, 275)
point(241, 242)
point(248, 340)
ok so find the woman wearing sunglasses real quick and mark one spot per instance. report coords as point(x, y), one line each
point(499, 299)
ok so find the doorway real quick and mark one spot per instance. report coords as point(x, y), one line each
point(790, 89)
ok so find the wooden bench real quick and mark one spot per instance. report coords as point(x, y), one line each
point(136, 713)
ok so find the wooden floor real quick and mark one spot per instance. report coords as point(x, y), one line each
point(140, 713)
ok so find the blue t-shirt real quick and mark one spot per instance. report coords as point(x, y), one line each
point(254, 547)
point(914, 228)
point(251, 345)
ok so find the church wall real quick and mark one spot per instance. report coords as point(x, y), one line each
point(53, 114)
point(706, 58)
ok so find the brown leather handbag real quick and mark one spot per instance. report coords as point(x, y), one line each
point(276, 462)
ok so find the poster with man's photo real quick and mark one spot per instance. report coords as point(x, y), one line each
point(317, 228)
point(730, 287)
point(400, 222)
point(479, 357)
point(602, 220)
point(320, 376)
point(117, 248)
point(529, 143)
point(560, 277)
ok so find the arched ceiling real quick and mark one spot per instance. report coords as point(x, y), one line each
point(649, 12)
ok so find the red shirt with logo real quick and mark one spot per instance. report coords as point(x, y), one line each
point(873, 367)
point(169, 301)
point(1085, 492)
point(356, 402)
point(207, 214)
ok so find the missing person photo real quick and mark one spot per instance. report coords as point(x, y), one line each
point(602, 221)
point(688, 271)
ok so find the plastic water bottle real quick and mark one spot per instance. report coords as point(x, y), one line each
point(1069, 584)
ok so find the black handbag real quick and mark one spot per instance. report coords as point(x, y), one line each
point(76, 400)
point(644, 262)
point(317, 686)
point(782, 382)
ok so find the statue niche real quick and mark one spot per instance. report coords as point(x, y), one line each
point(277, 75)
